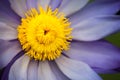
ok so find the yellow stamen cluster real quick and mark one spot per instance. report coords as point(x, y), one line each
point(44, 34)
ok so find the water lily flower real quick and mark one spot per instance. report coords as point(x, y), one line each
point(58, 39)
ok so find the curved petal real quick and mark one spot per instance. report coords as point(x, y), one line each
point(10, 22)
point(71, 6)
point(55, 4)
point(31, 4)
point(59, 75)
point(45, 72)
point(99, 54)
point(96, 28)
point(8, 50)
point(7, 32)
point(32, 73)
point(43, 3)
point(19, 6)
point(5, 74)
point(96, 8)
point(18, 70)
point(6, 9)
point(7, 15)
point(76, 70)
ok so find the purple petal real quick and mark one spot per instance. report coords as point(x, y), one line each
point(95, 28)
point(45, 72)
point(76, 70)
point(7, 15)
point(8, 51)
point(7, 32)
point(71, 6)
point(55, 4)
point(6, 10)
point(18, 70)
point(43, 3)
point(96, 8)
point(31, 4)
point(19, 6)
point(99, 54)
point(32, 73)
point(59, 75)
point(11, 22)
point(7, 69)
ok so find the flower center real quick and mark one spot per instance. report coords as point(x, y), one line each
point(44, 34)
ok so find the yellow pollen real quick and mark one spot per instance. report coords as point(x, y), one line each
point(44, 34)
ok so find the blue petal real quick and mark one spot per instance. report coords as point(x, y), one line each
point(32, 70)
point(7, 32)
point(43, 3)
point(19, 6)
point(71, 6)
point(45, 72)
point(96, 28)
point(55, 4)
point(99, 54)
point(7, 15)
point(18, 70)
point(31, 4)
point(96, 8)
point(58, 73)
point(7, 68)
point(76, 70)
point(8, 50)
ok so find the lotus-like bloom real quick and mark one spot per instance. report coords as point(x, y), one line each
point(58, 39)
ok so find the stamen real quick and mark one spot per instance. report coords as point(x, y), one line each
point(44, 34)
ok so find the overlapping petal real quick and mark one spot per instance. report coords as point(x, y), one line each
point(43, 3)
point(96, 28)
point(5, 74)
point(7, 32)
point(76, 70)
point(19, 6)
point(18, 70)
point(96, 8)
point(59, 75)
point(45, 72)
point(8, 50)
point(55, 4)
point(66, 6)
point(32, 73)
point(6, 12)
point(22, 6)
point(71, 6)
point(7, 15)
point(31, 4)
point(98, 54)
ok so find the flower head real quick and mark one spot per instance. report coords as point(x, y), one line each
point(57, 39)
point(44, 35)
